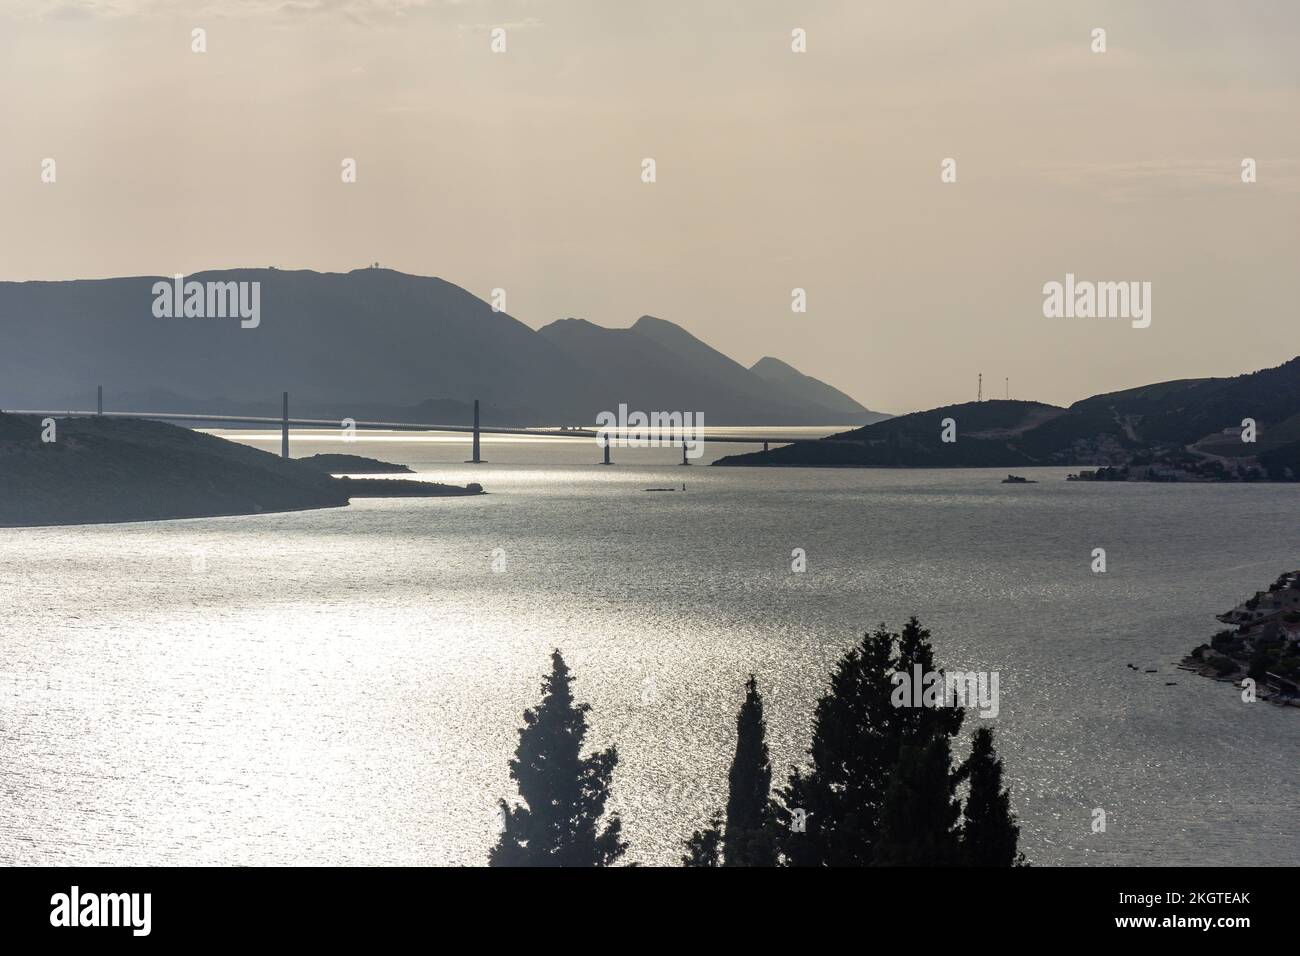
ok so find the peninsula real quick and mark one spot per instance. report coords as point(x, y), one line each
point(100, 470)
point(1245, 428)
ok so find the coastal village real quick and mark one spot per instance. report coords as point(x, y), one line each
point(1178, 468)
point(1215, 457)
point(1216, 469)
point(1262, 644)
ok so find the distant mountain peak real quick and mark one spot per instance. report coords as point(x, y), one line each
point(573, 322)
point(663, 331)
point(785, 376)
point(767, 362)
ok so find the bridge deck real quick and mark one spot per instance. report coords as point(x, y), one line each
point(409, 426)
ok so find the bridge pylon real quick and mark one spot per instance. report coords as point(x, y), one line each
point(476, 460)
point(284, 428)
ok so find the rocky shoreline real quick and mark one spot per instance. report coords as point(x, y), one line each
point(1262, 646)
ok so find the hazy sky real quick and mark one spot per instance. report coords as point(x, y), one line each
point(775, 169)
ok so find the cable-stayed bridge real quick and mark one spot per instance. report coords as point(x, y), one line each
point(604, 437)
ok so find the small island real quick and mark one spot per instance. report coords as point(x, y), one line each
point(1262, 644)
point(403, 488)
point(353, 465)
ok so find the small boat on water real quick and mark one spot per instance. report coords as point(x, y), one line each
point(1017, 480)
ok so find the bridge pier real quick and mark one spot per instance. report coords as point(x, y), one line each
point(475, 460)
point(606, 444)
point(284, 428)
point(764, 446)
point(99, 406)
point(684, 461)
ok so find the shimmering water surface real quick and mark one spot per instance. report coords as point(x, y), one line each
point(344, 686)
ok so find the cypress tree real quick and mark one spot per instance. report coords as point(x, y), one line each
point(564, 793)
point(852, 750)
point(746, 839)
point(704, 846)
point(989, 832)
point(922, 723)
point(918, 822)
point(858, 738)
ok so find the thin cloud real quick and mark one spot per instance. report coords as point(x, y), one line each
point(356, 10)
point(1166, 178)
point(529, 23)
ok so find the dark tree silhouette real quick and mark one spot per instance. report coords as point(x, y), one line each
point(919, 724)
point(851, 753)
point(918, 822)
point(989, 832)
point(858, 736)
point(747, 839)
point(704, 846)
point(564, 793)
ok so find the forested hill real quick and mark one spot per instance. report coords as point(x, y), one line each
point(1179, 422)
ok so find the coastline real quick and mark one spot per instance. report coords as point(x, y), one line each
point(184, 517)
point(1261, 655)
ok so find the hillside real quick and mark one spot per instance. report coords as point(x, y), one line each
point(1112, 426)
point(987, 435)
point(371, 335)
point(368, 344)
point(655, 365)
point(805, 388)
point(1191, 426)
